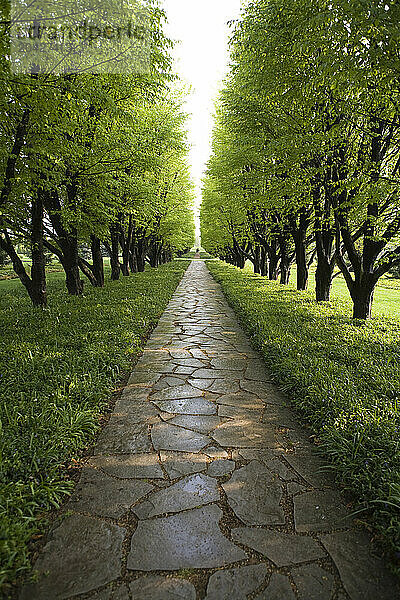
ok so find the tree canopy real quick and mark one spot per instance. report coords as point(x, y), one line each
point(96, 158)
point(306, 151)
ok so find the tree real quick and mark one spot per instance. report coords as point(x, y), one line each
point(81, 162)
point(311, 105)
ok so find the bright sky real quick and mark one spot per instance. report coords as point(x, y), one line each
point(201, 60)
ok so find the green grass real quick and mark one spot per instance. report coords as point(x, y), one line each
point(192, 254)
point(58, 370)
point(343, 378)
point(386, 296)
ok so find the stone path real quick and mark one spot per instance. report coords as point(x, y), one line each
point(202, 485)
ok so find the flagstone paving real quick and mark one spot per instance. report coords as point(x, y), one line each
point(203, 485)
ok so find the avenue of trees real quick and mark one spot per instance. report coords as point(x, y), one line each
point(306, 148)
point(96, 160)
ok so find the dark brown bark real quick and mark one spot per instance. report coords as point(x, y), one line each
point(273, 256)
point(114, 255)
point(97, 260)
point(132, 260)
point(87, 270)
point(18, 266)
point(38, 271)
point(257, 260)
point(299, 223)
point(285, 259)
point(19, 141)
point(324, 245)
point(154, 254)
point(301, 260)
point(362, 294)
point(264, 265)
point(70, 262)
point(323, 279)
point(67, 240)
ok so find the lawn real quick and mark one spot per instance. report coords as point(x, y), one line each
point(386, 296)
point(59, 368)
point(344, 380)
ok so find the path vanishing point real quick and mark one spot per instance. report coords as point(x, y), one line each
point(203, 486)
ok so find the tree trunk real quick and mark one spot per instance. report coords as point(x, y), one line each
point(97, 259)
point(18, 266)
point(324, 243)
point(301, 260)
point(70, 262)
point(114, 258)
point(285, 259)
point(273, 270)
point(257, 260)
point(132, 260)
point(323, 279)
point(264, 264)
point(38, 292)
point(140, 252)
point(67, 240)
point(362, 294)
point(87, 270)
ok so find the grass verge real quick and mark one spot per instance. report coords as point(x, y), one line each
point(344, 379)
point(58, 370)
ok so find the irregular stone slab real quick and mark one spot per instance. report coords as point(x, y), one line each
point(191, 406)
point(134, 466)
point(151, 356)
point(201, 384)
point(195, 363)
point(211, 374)
point(364, 576)
point(254, 387)
point(310, 467)
point(167, 382)
point(99, 494)
point(283, 549)
point(245, 434)
point(184, 370)
point(279, 416)
point(224, 386)
point(231, 364)
point(198, 353)
point(182, 463)
point(123, 439)
point(257, 371)
point(176, 393)
point(120, 592)
point(269, 458)
point(235, 584)
point(313, 583)
point(187, 540)
point(134, 412)
point(219, 468)
point(179, 353)
point(214, 452)
point(162, 588)
point(190, 492)
point(279, 588)
point(242, 400)
point(319, 511)
point(135, 393)
point(236, 412)
point(81, 555)
point(295, 488)
point(203, 424)
point(142, 377)
point(170, 437)
point(160, 368)
point(254, 496)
